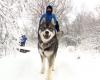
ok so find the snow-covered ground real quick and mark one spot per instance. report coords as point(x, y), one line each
point(69, 65)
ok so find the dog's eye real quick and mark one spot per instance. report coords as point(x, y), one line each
point(42, 28)
point(51, 29)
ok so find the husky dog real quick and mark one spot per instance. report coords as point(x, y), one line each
point(47, 45)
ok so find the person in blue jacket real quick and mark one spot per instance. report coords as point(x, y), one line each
point(23, 40)
point(50, 17)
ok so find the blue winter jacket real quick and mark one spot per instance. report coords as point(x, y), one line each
point(48, 17)
point(23, 39)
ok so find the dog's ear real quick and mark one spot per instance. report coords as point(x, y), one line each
point(53, 22)
point(42, 21)
point(43, 25)
point(51, 25)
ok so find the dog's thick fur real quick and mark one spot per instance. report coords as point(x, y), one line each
point(47, 45)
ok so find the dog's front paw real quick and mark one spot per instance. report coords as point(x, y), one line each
point(42, 71)
point(53, 69)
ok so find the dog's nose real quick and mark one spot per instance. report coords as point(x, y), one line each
point(47, 32)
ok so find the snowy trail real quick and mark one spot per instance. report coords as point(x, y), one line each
point(67, 66)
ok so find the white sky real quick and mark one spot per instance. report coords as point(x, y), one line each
point(87, 5)
point(83, 5)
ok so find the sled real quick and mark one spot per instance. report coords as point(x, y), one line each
point(23, 49)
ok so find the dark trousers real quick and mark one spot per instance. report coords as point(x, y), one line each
point(22, 44)
point(57, 26)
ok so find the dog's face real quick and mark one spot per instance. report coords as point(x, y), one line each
point(46, 32)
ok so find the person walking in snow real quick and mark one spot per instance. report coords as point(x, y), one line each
point(23, 40)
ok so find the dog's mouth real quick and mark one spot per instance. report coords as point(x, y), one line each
point(46, 36)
